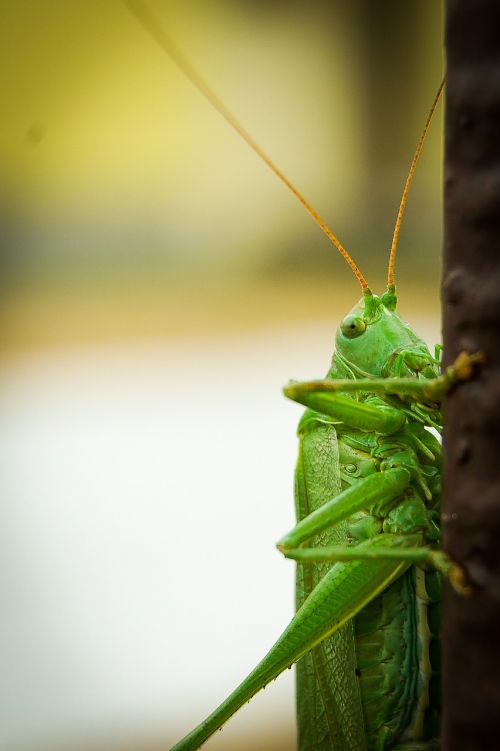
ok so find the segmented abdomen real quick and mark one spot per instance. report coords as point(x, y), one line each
point(397, 634)
point(398, 661)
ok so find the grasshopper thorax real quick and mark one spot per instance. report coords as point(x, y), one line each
point(372, 340)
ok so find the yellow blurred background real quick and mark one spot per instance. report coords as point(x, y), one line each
point(159, 286)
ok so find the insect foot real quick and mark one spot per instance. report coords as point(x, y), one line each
point(464, 366)
point(455, 574)
point(462, 370)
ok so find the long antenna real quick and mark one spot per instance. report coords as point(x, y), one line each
point(404, 197)
point(154, 28)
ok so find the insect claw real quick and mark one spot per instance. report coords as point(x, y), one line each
point(459, 580)
point(455, 574)
point(463, 367)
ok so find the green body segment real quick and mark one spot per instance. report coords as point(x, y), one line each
point(398, 664)
point(391, 679)
point(386, 647)
point(367, 479)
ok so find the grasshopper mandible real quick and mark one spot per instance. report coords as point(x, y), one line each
point(367, 492)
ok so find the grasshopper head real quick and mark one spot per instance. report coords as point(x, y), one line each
point(372, 340)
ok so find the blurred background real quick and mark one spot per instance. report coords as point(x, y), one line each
point(159, 287)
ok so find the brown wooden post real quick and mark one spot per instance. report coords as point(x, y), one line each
point(471, 301)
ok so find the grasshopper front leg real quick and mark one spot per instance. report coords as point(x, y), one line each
point(314, 394)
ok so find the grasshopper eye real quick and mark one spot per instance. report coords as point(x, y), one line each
point(352, 326)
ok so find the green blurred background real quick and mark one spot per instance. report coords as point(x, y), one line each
point(159, 285)
point(121, 188)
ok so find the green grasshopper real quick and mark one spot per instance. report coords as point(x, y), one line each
point(367, 493)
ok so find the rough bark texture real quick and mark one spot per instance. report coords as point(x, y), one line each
point(471, 300)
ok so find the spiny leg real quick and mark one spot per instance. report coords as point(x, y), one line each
point(314, 394)
point(344, 590)
point(401, 548)
point(373, 492)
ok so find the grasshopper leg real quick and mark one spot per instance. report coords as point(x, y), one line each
point(313, 393)
point(376, 490)
point(321, 397)
point(402, 548)
point(396, 547)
